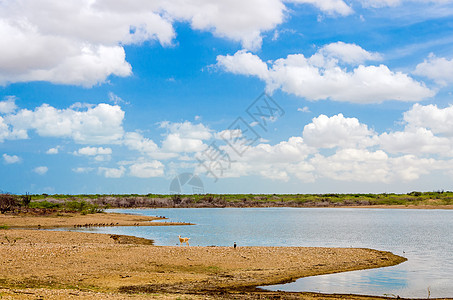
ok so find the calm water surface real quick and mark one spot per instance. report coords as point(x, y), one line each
point(425, 237)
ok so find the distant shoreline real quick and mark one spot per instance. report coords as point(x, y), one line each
point(413, 200)
point(447, 207)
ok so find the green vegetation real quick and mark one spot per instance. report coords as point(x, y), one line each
point(92, 203)
point(4, 227)
point(81, 206)
point(88, 204)
point(24, 203)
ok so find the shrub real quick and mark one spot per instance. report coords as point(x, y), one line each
point(82, 206)
point(7, 203)
point(44, 204)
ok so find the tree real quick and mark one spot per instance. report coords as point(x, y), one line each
point(7, 202)
point(26, 199)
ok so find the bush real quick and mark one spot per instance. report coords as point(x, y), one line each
point(44, 204)
point(7, 203)
point(82, 206)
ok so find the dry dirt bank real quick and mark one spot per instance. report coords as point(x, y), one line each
point(56, 220)
point(60, 264)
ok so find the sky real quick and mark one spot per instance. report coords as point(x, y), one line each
point(256, 96)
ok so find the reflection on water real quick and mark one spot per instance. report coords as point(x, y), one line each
point(425, 237)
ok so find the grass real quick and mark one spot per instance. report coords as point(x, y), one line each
point(4, 227)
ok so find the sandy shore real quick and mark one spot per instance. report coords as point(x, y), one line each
point(61, 264)
point(58, 220)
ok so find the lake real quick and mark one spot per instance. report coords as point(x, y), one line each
point(425, 237)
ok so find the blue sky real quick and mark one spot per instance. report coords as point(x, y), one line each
point(117, 96)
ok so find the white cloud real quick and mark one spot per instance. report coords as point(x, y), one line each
point(359, 155)
point(81, 41)
point(147, 169)
point(279, 162)
point(112, 172)
point(115, 99)
point(353, 165)
point(11, 159)
point(328, 6)
point(321, 77)
point(82, 170)
point(136, 141)
point(185, 137)
point(4, 130)
point(244, 63)
point(41, 170)
point(410, 167)
point(7, 133)
point(416, 141)
point(393, 3)
point(438, 69)
point(348, 53)
point(8, 105)
point(438, 120)
point(101, 124)
point(330, 132)
point(303, 109)
point(92, 151)
point(54, 150)
point(380, 3)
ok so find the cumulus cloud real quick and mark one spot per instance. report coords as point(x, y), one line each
point(330, 132)
point(438, 120)
point(11, 159)
point(54, 150)
point(82, 170)
point(438, 69)
point(353, 165)
point(8, 105)
point(416, 141)
point(8, 133)
point(147, 169)
point(392, 3)
point(303, 109)
point(92, 151)
point(185, 137)
point(357, 153)
point(328, 6)
point(280, 161)
point(411, 167)
point(81, 41)
point(98, 153)
point(244, 63)
point(41, 170)
point(101, 124)
point(112, 172)
point(347, 53)
point(321, 76)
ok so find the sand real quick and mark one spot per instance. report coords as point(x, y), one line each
point(62, 264)
point(58, 220)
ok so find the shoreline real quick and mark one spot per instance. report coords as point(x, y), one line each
point(96, 263)
point(69, 262)
point(443, 207)
point(76, 220)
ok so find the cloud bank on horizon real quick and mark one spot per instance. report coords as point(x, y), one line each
point(97, 49)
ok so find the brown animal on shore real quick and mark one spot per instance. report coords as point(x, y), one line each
point(115, 237)
point(183, 240)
